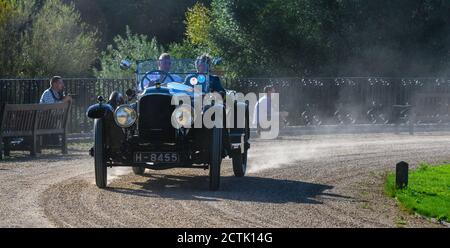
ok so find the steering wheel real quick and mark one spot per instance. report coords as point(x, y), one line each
point(152, 81)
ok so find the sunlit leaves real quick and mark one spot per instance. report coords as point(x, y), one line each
point(58, 43)
point(132, 47)
point(197, 24)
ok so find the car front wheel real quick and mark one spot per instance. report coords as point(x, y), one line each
point(99, 156)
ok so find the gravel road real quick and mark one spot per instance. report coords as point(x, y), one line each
point(306, 181)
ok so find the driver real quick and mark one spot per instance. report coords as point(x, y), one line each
point(164, 64)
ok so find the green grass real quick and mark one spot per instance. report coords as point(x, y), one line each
point(428, 192)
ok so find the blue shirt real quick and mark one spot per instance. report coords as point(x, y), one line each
point(50, 96)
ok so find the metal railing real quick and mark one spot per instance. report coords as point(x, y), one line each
point(83, 90)
point(309, 101)
point(342, 101)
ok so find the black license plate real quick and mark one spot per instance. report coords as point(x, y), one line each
point(156, 157)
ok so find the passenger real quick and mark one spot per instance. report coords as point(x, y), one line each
point(203, 66)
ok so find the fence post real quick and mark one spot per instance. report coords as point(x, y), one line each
point(401, 180)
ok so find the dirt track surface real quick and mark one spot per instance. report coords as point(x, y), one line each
point(307, 181)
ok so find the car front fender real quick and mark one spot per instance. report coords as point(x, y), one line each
point(99, 111)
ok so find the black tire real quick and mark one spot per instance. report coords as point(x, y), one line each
point(138, 170)
point(99, 156)
point(239, 163)
point(215, 158)
point(2, 148)
point(239, 158)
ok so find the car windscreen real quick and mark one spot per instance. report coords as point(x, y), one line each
point(183, 71)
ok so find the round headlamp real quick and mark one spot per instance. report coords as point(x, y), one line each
point(194, 81)
point(125, 116)
point(183, 116)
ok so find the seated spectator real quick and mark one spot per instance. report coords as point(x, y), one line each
point(54, 94)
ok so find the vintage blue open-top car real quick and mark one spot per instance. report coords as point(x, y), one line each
point(152, 128)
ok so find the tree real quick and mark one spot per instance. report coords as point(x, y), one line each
point(197, 25)
point(132, 47)
point(197, 39)
point(160, 19)
point(13, 18)
point(332, 38)
point(6, 10)
point(58, 43)
point(184, 50)
point(392, 38)
point(270, 37)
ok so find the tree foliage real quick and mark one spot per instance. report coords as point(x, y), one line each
point(254, 38)
point(6, 11)
point(268, 37)
point(197, 25)
point(404, 37)
point(132, 47)
point(197, 38)
point(332, 38)
point(58, 43)
point(154, 18)
point(13, 17)
point(44, 38)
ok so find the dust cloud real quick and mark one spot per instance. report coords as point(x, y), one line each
point(275, 154)
point(289, 151)
point(115, 172)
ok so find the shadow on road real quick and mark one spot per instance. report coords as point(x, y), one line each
point(21, 157)
point(248, 189)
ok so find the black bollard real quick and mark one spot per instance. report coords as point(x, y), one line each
point(401, 180)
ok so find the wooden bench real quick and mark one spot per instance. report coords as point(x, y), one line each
point(33, 121)
point(425, 108)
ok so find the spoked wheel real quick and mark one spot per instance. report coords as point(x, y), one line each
point(215, 158)
point(99, 155)
point(138, 170)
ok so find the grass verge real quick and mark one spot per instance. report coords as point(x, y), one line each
point(428, 192)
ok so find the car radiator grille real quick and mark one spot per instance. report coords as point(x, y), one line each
point(155, 112)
